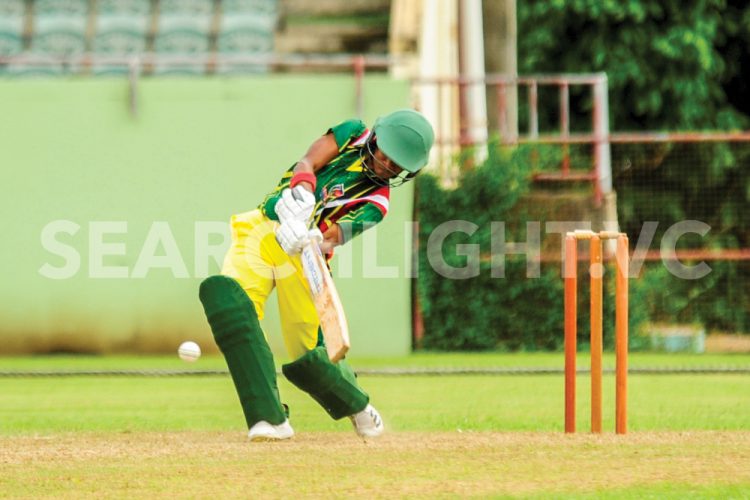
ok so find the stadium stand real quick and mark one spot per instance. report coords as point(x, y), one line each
point(183, 29)
point(36, 34)
point(121, 28)
point(15, 8)
point(246, 28)
point(182, 34)
point(120, 34)
point(245, 34)
point(60, 7)
point(11, 35)
point(12, 14)
point(198, 8)
point(260, 7)
point(123, 7)
point(60, 27)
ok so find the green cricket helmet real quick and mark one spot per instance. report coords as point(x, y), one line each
point(406, 137)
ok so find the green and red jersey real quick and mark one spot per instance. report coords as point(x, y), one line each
point(344, 194)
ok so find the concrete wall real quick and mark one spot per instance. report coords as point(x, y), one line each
point(110, 221)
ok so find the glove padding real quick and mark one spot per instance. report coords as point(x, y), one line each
point(295, 204)
point(292, 235)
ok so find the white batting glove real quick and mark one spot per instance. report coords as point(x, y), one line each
point(295, 204)
point(292, 235)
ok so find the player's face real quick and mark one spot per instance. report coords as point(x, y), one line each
point(383, 166)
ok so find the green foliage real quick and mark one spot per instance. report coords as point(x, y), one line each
point(462, 313)
point(518, 311)
point(672, 64)
point(492, 313)
point(718, 301)
point(510, 310)
point(671, 183)
point(675, 182)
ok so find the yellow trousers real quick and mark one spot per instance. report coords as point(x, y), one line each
point(259, 264)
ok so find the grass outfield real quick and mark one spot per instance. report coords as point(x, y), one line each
point(447, 436)
point(420, 360)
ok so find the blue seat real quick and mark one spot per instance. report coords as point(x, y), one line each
point(246, 34)
point(120, 34)
point(61, 7)
point(59, 34)
point(187, 7)
point(121, 28)
point(11, 27)
point(182, 35)
point(11, 35)
point(257, 7)
point(12, 9)
point(184, 28)
point(124, 7)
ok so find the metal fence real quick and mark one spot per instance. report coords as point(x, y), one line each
point(135, 67)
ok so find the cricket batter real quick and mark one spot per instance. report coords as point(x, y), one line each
point(342, 184)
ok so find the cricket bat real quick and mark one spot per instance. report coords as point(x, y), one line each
point(327, 302)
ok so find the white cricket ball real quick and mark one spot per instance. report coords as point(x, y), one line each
point(189, 351)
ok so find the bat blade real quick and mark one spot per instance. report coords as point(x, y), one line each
point(327, 302)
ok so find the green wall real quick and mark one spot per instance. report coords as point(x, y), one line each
point(197, 151)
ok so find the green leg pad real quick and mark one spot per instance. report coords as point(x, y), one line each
point(333, 386)
point(238, 334)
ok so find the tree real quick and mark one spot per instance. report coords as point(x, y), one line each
point(672, 64)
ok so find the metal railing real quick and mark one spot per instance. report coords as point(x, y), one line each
point(505, 89)
point(135, 66)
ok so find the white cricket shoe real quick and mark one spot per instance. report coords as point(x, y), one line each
point(368, 423)
point(263, 431)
